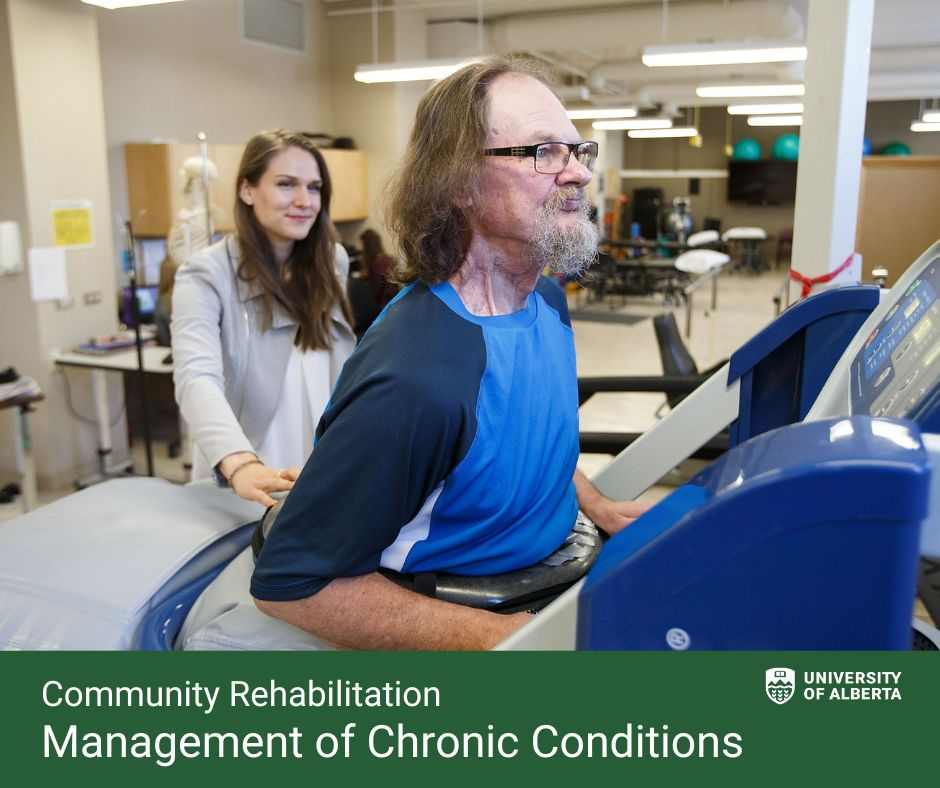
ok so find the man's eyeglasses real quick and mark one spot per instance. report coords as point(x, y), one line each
point(550, 158)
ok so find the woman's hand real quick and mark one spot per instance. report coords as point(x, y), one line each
point(252, 480)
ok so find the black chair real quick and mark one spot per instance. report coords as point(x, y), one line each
point(676, 358)
point(681, 378)
point(362, 303)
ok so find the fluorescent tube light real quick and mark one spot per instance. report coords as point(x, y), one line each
point(599, 113)
point(634, 123)
point(724, 53)
point(765, 109)
point(683, 131)
point(414, 71)
point(775, 120)
point(749, 91)
point(112, 4)
point(919, 125)
point(931, 116)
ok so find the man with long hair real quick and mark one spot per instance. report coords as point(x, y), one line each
point(451, 441)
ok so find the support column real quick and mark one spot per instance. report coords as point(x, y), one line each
point(827, 190)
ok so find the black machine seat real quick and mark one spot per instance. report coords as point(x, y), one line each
point(679, 379)
point(531, 588)
point(675, 356)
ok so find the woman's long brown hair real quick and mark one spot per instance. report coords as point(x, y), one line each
point(307, 286)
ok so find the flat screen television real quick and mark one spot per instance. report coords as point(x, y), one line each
point(762, 182)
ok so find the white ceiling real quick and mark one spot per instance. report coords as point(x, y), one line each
point(599, 43)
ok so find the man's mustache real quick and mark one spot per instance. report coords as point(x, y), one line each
point(560, 197)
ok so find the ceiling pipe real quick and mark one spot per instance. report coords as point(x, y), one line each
point(605, 27)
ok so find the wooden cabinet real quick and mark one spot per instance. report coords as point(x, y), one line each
point(155, 185)
point(897, 211)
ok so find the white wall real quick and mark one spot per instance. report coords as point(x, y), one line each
point(59, 118)
point(367, 113)
point(19, 333)
point(170, 71)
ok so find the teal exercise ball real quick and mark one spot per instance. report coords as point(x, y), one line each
point(787, 147)
point(747, 149)
point(895, 149)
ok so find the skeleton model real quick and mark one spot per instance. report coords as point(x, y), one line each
point(190, 232)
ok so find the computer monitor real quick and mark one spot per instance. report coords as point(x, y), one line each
point(146, 304)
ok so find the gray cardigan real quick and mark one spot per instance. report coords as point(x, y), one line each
point(228, 373)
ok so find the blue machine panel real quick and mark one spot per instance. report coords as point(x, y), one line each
point(749, 555)
point(783, 368)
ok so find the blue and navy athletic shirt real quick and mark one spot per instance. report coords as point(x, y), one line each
point(449, 444)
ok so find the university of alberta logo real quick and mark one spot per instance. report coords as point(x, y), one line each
point(779, 684)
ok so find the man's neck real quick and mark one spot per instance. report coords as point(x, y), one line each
point(492, 282)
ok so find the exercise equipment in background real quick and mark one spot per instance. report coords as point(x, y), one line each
point(787, 147)
point(747, 149)
point(895, 148)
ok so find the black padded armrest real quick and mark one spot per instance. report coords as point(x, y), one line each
point(661, 384)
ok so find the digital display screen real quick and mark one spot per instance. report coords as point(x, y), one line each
point(897, 326)
point(899, 365)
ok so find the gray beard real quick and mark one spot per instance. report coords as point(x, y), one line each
point(568, 251)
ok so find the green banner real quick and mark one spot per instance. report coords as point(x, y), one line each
point(477, 719)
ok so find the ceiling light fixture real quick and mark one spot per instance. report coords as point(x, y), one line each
point(749, 91)
point(775, 120)
point(599, 113)
point(112, 4)
point(931, 116)
point(765, 109)
point(683, 131)
point(723, 53)
point(635, 123)
point(919, 125)
point(414, 71)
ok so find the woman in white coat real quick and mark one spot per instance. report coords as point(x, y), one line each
point(261, 324)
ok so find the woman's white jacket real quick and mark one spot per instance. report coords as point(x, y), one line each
point(228, 373)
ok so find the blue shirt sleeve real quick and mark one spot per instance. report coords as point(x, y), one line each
point(399, 421)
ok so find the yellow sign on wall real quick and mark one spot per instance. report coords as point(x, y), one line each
point(72, 223)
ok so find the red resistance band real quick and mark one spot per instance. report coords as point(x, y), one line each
point(808, 282)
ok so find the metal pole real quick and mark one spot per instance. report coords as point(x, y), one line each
point(135, 310)
point(24, 458)
point(204, 151)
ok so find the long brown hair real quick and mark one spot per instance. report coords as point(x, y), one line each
point(307, 286)
point(441, 170)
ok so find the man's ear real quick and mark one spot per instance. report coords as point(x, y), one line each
point(244, 193)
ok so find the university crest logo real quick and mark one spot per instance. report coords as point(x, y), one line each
point(780, 684)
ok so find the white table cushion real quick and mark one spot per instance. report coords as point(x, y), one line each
point(745, 234)
point(701, 261)
point(703, 237)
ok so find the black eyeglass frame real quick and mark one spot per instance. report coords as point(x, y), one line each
point(522, 151)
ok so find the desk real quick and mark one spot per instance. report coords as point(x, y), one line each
point(637, 276)
point(99, 365)
point(24, 445)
